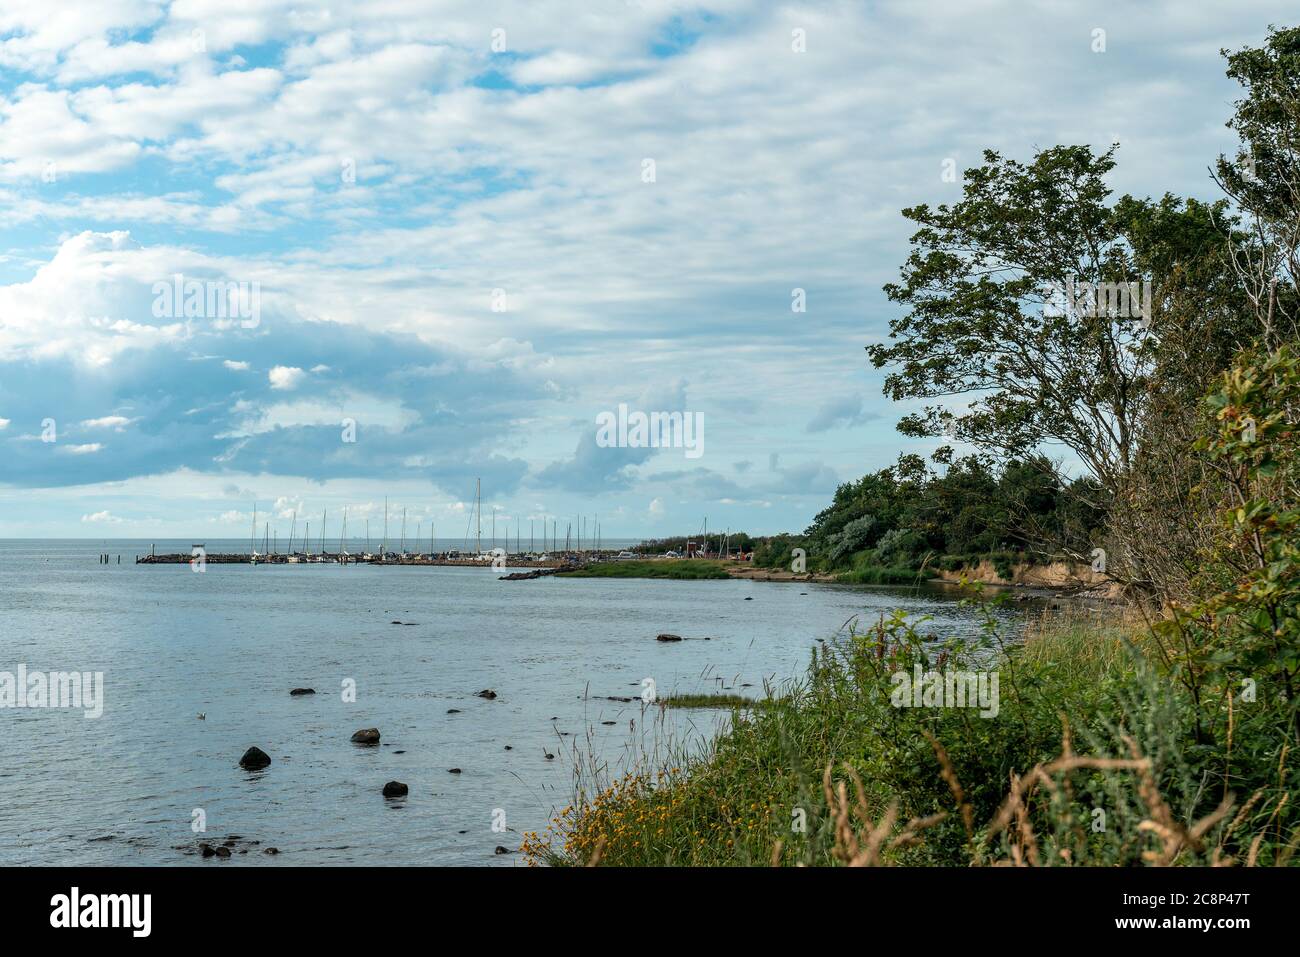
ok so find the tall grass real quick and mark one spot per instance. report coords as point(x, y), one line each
point(1089, 761)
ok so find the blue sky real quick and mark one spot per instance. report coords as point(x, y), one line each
point(445, 212)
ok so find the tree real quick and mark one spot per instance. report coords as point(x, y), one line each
point(1264, 180)
point(986, 284)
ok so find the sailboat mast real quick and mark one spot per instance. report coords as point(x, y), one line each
point(478, 514)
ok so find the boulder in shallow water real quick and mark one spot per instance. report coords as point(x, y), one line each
point(395, 789)
point(486, 693)
point(254, 759)
point(300, 691)
point(503, 850)
point(668, 636)
point(366, 736)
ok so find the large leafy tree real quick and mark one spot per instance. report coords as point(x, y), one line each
point(986, 325)
point(985, 322)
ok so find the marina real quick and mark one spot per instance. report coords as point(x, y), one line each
point(503, 560)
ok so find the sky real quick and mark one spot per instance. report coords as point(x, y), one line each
point(463, 231)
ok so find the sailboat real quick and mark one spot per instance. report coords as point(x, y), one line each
point(323, 523)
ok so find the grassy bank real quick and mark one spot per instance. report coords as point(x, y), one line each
point(1090, 759)
point(663, 568)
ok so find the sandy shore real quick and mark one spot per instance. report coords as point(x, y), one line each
point(774, 575)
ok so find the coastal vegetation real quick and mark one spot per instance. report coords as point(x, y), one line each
point(1160, 731)
point(662, 568)
point(891, 524)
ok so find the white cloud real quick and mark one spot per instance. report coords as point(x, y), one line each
point(116, 422)
point(368, 411)
point(89, 448)
point(103, 518)
point(286, 377)
point(774, 170)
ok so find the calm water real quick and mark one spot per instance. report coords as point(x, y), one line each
point(231, 642)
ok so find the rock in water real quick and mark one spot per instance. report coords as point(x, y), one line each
point(298, 691)
point(254, 758)
point(486, 693)
point(366, 736)
point(502, 850)
point(668, 637)
point(395, 789)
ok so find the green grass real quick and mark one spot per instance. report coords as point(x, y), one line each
point(1079, 685)
point(679, 568)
